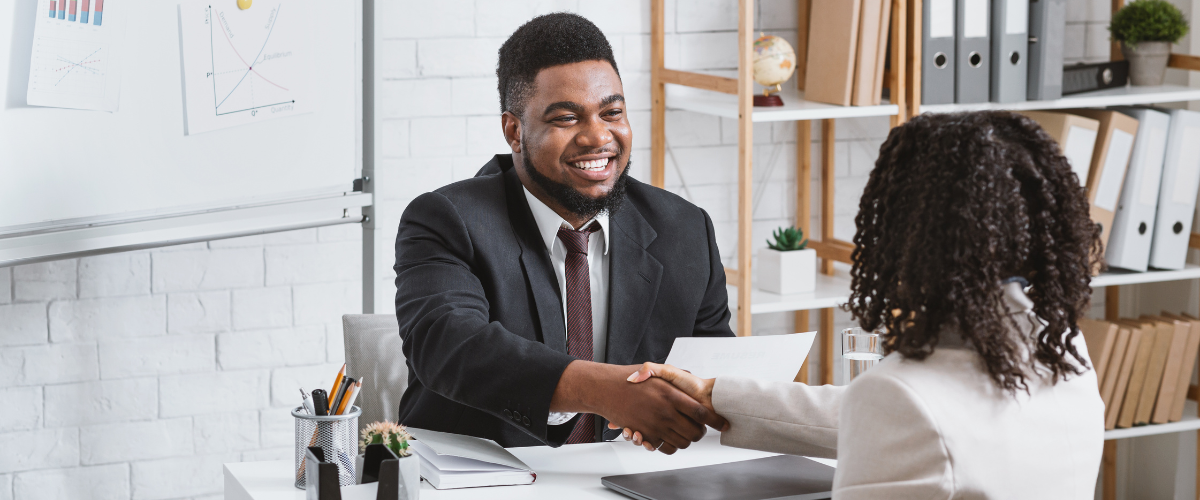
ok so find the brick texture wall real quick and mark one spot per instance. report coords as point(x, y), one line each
point(139, 373)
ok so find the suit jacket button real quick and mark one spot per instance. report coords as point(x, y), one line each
point(507, 414)
point(516, 416)
point(525, 420)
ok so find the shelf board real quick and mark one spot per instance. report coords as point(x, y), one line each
point(1121, 96)
point(1189, 423)
point(794, 106)
point(833, 291)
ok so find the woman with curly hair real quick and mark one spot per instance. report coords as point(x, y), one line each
point(974, 250)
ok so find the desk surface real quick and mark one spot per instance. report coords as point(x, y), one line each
point(567, 472)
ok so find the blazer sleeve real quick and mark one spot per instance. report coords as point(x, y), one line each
point(779, 417)
point(452, 346)
point(889, 445)
point(712, 320)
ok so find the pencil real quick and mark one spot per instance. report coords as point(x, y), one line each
point(343, 391)
point(349, 401)
point(337, 382)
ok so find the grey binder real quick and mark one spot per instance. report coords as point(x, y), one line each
point(1047, 22)
point(937, 52)
point(1010, 40)
point(973, 49)
point(780, 477)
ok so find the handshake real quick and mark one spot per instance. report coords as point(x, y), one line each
point(660, 407)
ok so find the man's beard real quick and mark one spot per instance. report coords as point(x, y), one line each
point(574, 201)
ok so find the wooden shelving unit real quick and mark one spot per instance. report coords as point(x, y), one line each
point(733, 98)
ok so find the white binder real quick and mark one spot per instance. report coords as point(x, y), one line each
point(1133, 226)
point(1177, 193)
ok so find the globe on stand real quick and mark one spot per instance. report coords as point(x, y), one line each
point(774, 63)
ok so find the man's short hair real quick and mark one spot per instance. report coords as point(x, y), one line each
point(545, 41)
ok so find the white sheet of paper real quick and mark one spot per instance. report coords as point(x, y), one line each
point(77, 64)
point(245, 66)
point(774, 358)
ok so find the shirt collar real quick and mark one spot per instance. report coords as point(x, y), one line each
point(548, 221)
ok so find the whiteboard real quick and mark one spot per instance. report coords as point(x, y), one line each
point(62, 164)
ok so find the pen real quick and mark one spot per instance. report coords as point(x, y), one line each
point(335, 408)
point(320, 401)
point(337, 382)
point(307, 403)
point(350, 399)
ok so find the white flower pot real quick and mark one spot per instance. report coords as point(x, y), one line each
point(786, 273)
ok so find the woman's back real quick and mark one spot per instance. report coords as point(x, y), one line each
point(941, 428)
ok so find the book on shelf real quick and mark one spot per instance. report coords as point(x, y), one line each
point(1100, 336)
point(872, 47)
point(1163, 338)
point(832, 50)
point(1137, 376)
point(1120, 389)
point(1170, 375)
point(1113, 368)
point(1183, 379)
point(881, 53)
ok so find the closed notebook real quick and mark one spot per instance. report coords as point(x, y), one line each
point(1113, 369)
point(865, 65)
point(1184, 380)
point(451, 461)
point(1137, 377)
point(1099, 337)
point(1120, 389)
point(1170, 377)
point(1163, 338)
point(832, 50)
point(1110, 160)
point(1128, 245)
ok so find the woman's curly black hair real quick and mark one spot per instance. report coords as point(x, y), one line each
point(957, 203)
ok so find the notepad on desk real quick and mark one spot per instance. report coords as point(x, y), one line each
point(450, 461)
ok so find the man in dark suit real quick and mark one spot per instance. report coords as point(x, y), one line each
point(524, 293)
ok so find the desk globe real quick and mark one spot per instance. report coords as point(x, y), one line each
point(774, 63)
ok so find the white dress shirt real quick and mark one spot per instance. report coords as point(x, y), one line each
point(548, 222)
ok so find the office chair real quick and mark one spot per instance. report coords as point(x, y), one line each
point(374, 354)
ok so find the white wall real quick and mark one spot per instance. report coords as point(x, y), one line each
point(140, 373)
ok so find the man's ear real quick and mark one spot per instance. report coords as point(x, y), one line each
point(512, 130)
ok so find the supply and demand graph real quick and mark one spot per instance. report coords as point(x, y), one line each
point(244, 65)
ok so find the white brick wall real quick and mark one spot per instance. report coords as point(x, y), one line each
point(139, 373)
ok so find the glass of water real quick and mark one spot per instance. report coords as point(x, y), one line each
point(860, 351)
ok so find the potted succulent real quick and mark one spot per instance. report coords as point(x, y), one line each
point(395, 437)
point(1146, 30)
point(787, 266)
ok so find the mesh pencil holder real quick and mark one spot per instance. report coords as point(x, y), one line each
point(336, 435)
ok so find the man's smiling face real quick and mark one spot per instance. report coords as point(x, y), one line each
point(575, 135)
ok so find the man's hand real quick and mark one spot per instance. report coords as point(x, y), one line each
point(697, 388)
point(666, 417)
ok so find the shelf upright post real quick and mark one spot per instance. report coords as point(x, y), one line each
point(803, 160)
point(1112, 312)
point(828, 146)
point(658, 97)
point(913, 63)
point(745, 161)
point(898, 93)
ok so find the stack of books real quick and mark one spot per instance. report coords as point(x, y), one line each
point(1143, 366)
point(847, 50)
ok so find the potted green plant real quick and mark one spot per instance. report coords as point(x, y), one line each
point(1146, 30)
point(787, 265)
point(396, 438)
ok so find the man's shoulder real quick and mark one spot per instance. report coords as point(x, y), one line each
point(476, 190)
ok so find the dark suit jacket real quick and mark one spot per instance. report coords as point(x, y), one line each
point(481, 315)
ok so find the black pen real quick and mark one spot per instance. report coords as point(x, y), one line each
point(321, 402)
point(341, 394)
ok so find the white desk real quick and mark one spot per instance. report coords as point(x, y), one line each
point(567, 472)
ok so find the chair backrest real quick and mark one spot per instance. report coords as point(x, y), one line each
point(374, 353)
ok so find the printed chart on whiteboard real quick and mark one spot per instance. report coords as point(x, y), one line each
point(75, 59)
point(243, 66)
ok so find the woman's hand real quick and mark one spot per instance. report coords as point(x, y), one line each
point(696, 387)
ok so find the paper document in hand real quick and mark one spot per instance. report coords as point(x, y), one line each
point(775, 358)
point(456, 461)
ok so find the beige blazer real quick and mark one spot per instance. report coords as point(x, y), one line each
point(931, 429)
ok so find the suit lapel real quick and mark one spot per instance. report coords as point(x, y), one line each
point(634, 276)
point(535, 262)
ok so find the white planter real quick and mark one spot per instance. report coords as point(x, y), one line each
point(787, 272)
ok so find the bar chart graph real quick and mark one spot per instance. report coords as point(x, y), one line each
point(78, 11)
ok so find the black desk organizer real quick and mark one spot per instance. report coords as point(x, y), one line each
point(379, 465)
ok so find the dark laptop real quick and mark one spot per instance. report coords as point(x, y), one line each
point(781, 477)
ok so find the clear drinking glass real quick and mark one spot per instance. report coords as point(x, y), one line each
point(860, 351)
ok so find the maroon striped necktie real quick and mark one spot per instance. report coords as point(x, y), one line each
point(579, 313)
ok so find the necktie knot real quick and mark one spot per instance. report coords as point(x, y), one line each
point(577, 241)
